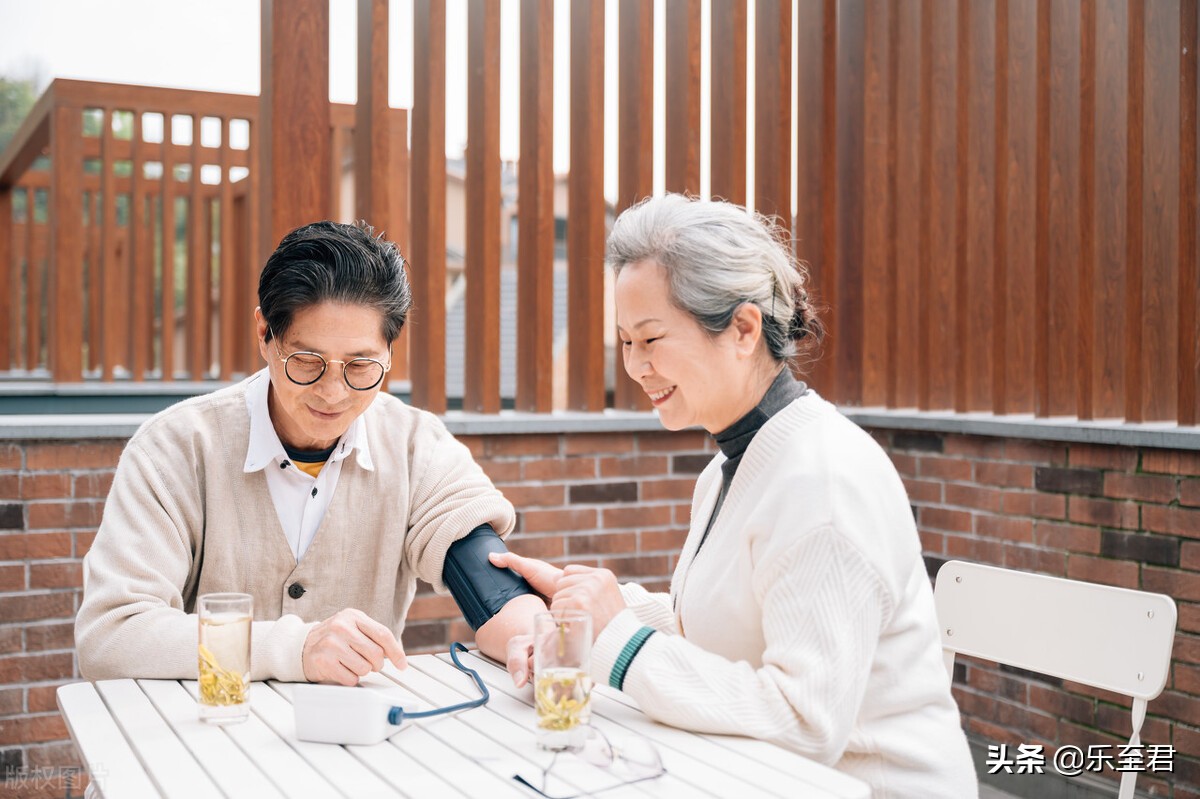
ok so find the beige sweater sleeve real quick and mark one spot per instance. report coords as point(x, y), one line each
point(132, 622)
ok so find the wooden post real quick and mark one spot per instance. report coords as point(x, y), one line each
point(229, 294)
point(7, 303)
point(294, 137)
point(428, 272)
point(585, 224)
point(141, 261)
point(728, 108)
point(481, 381)
point(683, 96)
point(773, 111)
point(372, 151)
point(65, 351)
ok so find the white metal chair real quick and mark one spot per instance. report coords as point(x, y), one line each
point(1116, 639)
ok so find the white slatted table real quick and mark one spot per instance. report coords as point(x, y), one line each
point(142, 738)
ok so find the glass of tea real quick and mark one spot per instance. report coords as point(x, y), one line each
point(562, 687)
point(224, 657)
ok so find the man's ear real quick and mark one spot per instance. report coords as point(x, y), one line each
point(260, 329)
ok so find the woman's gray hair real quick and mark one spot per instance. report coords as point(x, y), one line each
point(718, 256)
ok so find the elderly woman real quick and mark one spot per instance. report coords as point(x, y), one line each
point(800, 611)
point(304, 486)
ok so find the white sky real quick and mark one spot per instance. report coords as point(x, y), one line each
point(214, 45)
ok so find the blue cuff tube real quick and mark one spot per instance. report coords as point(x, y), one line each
point(479, 588)
point(616, 677)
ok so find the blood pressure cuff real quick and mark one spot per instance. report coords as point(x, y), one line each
point(479, 588)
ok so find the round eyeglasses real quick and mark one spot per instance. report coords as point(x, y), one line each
point(306, 368)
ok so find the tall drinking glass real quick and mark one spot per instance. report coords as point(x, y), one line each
point(562, 650)
point(224, 657)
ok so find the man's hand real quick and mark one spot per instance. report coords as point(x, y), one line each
point(594, 591)
point(349, 645)
point(542, 577)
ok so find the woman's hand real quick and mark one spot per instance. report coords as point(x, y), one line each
point(538, 573)
point(595, 591)
point(349, 645)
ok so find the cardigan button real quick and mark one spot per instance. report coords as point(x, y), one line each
point(295, 590)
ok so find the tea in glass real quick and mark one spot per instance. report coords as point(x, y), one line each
point(224, 657)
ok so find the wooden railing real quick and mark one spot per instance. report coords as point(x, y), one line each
point(998, 200)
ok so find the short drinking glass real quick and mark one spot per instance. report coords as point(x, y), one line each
point(224, 657)
point(562, 650)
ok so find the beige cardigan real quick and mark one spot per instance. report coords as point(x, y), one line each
point(183, 519)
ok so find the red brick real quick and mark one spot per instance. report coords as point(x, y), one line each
point(83, 542)
point(1007, 475)
point(1117, 720)
point(432, 607)
point(602, 544)
point(944, 468)
point(970, 496)
point(1101, 456)
point(1032, 559)
point(639, 566)
point(541, 496)
point(1189, 555)
point(977, 549)
point(660, 540)
point(1173, 582)
point(1071, 537)
point(57, 515)
point(1021, 718)
point(974, 446)
point(10, 486)
point(557, 521)
point(1187, 648)
point(1189, 493)
point(543, 547)
point(597, 443)
point(636, 466)
point(1145, 487)
point(513, 445)
point(1005, 527)
point(906, 465)
point(43, 699)
point(52, 457)
point(1103, 570)
point(22, 546)
point(683, 514)
point(12, 701)
point(61, 755)
point(938, 518)
point(674, 488)
point(1061, 703)
point(636, 516)
point(932, 543)
point(31, 729)
point(923, 491)
point(10, 639)
point(1186, 679)
point(1169, 461)
point(12, 577)
point(573, 468)
point(502, 471)
point(31, 607)
point(46, 485)
point(45, 637)
point(1106, 513)
point(36, 668)
point(1181, 707)
point(1171, 519)
point(476, 444)
point(93, 484)
point(56, 575)
point(995, 733)
point(10, 456)
point(1036, 452)
point(672, 441)
point(1035, 504)
point(1189, 618)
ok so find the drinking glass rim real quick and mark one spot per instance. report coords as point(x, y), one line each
point(221, 598)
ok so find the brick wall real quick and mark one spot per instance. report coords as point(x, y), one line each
point(1116, 515)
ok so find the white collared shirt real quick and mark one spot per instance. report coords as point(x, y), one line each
point(300, 500)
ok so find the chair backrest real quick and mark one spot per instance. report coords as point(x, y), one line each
point(1111, 638)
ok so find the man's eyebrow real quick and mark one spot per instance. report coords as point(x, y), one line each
point(299, 347)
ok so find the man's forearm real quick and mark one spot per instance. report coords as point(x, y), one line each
point(515, 618)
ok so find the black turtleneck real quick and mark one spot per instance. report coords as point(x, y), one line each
point(734, 439)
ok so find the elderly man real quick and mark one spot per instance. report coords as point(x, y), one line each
point(304, 486)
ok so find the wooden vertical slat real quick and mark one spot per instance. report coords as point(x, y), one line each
point(256, 253)
point(961, 205)
point(1188, 364)
point(294, 114)
point(998, 290)
point(535, 220)
point(851, 59)
point(66, 245)
point(167, 278)
point(1084, 356)
point(141, 260)
point(816, 147)
point(773, 108)
point(94, 264)
point(585, 223)
point(399, 232)
point(906, 364)
point(1134, 219)
point(1160, 212)
point(635, 130)
point(337, 161)
point(113, 311)
point(938, 333)
point(228, 295)
point(876, 188)
point(481, 383)
point(429, 214)
point(199, 266)
point(1016, 255)
point(683, 96)
point(372, 139)
point(8, 300)
point(728, 98)
point(34, 307)
point(15, 286)
point(977, 180)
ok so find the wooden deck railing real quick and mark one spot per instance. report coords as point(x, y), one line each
point(998, 200)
